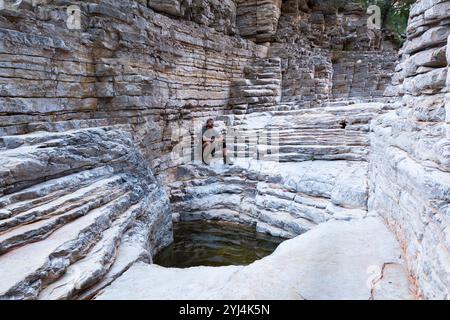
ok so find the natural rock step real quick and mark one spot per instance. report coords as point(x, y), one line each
point(267, 62)
point(272, 87)
point(34, 138)
point(253, 100)
point(308, 214)
point(257, 92)
point(262, 64)
point(261, 90)
point(240, 112)
point(255, 73)
point(325, 142)
point(338, 133)
point(297, 157)
point(262, 108)
point(268, 75)
point(333, 134)
point(300, 138)
point(41, 229)
point(331, 127)
point(288, 147)
point(238, 107)
point(285, 221)
point(273, 67)
point(293, 109)
point(43, 261)
point(63, 204)
point(87, 271)
point(37, 125)
point(47, 191)
point(263, 227)
point(289, 155)
point(322, 130)
point(314, 148)
point(256, 82)
point(330, 111)
point(262, 82)
point(323, 127)
point(319, 123)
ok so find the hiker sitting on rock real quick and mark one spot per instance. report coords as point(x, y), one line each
point(211, 140)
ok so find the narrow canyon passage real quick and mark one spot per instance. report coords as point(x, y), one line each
point(339, 136)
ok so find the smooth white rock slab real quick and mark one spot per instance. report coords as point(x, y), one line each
point(336, 260)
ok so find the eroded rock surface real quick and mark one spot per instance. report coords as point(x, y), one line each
point(281, 199)
point(89, 123)
point(72, 204)
point(410, 159)
point(352, 257)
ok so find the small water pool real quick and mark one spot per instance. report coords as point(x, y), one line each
point(201, 243)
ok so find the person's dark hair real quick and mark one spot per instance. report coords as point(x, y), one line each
point(205, 127)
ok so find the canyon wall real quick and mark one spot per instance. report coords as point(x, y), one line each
point(410, 151)
point(258, 19)
point(85, 125)
point(217, 14)
point(329, 53)
point(284, 200)
point(89, 123)
point(141, 68)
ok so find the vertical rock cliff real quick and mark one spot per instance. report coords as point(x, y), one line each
point(410, 151)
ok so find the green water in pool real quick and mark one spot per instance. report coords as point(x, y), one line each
point(199, 243)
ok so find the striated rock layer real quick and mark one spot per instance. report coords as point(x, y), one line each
point(141, 68)
point(75, 207)
point(373, 271)
point(91, 122)
point(284, 200)
point(410, 152)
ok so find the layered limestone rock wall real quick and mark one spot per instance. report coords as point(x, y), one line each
point(284, 200)
point(85, 122)
point(410, 158)
point(76, 208)
point(217, 14)
point(362, 75)
point(140, 68)
point(326, 48)
point(258, 19)
point(260, 90)
point(275, 95)
point(89, 120)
